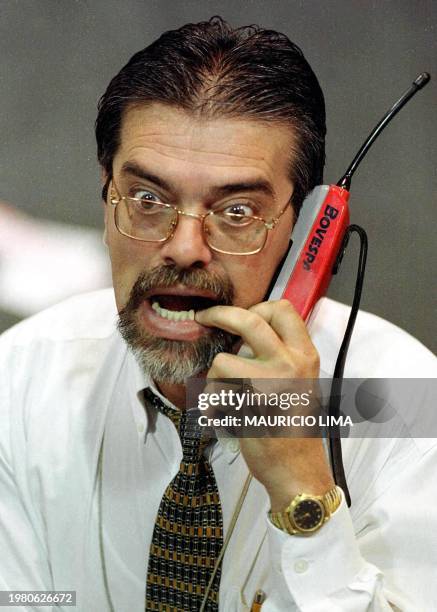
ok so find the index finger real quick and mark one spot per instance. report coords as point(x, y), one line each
point(253, 328)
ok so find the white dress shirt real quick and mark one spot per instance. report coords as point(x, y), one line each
point(84, 465)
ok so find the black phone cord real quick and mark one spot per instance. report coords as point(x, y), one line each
point(334, 438)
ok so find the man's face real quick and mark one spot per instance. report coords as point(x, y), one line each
point(197, 165)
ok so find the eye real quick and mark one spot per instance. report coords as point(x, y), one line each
point(239, 208)
point(144, 195)
point(238, 213)
point(146, 201)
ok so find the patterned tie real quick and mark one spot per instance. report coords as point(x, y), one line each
point(188, 533)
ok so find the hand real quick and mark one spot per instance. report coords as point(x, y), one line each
point(282, 348)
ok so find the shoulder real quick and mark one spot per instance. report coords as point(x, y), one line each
point(377, 349)
point(85, 316)
point(69, 339)
point(57, 370)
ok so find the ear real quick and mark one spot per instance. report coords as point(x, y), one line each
point(105, 180)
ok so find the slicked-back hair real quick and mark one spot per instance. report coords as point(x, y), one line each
point(212, 70)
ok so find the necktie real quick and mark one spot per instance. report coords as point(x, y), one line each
point(188, 532)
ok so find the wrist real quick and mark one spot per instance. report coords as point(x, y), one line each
point(294, 466)
point(280, 496)
point(307, 513)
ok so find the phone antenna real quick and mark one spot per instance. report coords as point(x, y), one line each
point(420, 82)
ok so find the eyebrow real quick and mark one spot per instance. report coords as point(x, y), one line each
point(259, 185)
point(138, 171)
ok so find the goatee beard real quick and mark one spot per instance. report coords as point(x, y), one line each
point(173, 361)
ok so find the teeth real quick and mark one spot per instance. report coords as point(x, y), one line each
point(173, 315)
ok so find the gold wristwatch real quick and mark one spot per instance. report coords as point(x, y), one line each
point(307, 513)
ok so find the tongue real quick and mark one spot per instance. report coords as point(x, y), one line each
point(182, 302)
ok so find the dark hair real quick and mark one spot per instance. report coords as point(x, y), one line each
point(212, 70)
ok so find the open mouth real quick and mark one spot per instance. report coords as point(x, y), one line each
point(180, 307)
point(170, 312)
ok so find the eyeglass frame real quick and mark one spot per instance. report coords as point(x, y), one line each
point(269, 225)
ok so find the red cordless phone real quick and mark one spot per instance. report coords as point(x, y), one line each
point(318, 235)
point(317, 238)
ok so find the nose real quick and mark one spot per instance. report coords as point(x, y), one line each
point(187, 248)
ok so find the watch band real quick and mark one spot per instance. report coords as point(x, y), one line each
point(329, 502)
point(332, 499)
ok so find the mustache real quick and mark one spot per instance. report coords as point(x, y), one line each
point(168, 276)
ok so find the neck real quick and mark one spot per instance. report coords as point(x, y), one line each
point(174, 393)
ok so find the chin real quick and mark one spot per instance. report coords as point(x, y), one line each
point(174, 361)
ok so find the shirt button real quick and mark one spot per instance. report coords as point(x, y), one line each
point(140, 428)
point(300, 566)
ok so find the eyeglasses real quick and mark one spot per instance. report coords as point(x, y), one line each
point(230, 230)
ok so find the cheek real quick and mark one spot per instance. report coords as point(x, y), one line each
point(128, 260)
point(252, 275)
point(251, 280)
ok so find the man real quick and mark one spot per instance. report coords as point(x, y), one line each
point(209, 140)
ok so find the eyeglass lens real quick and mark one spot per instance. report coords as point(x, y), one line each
point(154, 222)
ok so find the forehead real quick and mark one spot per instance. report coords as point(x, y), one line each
point(173, 140)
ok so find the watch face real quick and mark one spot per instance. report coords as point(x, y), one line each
point(308, 514)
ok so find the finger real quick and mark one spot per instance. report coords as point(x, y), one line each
point(285, 321)
point(254, 330)
point(226, 365)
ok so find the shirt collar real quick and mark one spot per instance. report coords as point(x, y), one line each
point(140, 381)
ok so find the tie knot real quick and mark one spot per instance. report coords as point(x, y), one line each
point(172, 413)
point(187, 426)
